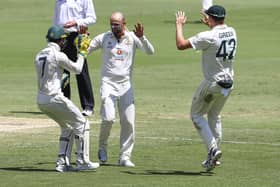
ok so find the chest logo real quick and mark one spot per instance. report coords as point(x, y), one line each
point(119, 52)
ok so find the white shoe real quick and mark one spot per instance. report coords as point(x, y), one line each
point(102, 155)
point(87, 166)
point(204, 163)
point(126, 163)
point(213, 156)
point(87, 112)
point(63, 168)
point(63, 165)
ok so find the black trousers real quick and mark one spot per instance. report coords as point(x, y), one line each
point(83, 79)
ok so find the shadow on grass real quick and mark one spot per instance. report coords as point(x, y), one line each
point(27, 169)
point(111, 165)
point(168, 172)
point(26, 112)
point(30, 168)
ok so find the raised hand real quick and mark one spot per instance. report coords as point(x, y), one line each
point(138, 30)
point(181, 18)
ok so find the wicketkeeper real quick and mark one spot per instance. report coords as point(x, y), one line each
point(50, 63)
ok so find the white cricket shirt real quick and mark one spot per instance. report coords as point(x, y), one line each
point(81, 11)
point(118, 55)
point(50, 63)
point(218, 51)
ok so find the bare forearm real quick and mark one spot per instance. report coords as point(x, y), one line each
point(179, 37)
point(181, 42)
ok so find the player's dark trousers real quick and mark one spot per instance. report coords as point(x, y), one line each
point(83, 79)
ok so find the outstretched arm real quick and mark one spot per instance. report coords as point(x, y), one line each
point(145, 44)
point(181, 42)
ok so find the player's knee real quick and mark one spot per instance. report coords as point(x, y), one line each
point(107, 122)
point(197, 120)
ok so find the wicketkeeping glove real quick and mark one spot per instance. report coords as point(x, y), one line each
point(82, 42)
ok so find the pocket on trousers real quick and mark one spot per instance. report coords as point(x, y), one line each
point(225, 83)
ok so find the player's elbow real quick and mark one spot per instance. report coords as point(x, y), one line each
point(183, 44)
point(180, 47)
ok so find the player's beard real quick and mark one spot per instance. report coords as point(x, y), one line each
point(116, 30)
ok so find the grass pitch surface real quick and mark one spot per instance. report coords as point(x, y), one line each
point(168, 150)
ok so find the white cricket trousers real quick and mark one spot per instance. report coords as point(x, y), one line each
point(72, 124)
point(118, 96)
point(209, 99)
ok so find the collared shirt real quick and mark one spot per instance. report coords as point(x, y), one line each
point(50, 64)
point(218, 51)
point(81, 11)
point(118, 55)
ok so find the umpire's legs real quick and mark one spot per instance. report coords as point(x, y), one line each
point(85, 88)
point(71, 52)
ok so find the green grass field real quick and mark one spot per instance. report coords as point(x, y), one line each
point(168, 150)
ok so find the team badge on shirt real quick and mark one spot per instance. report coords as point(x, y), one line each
point(128, 42)
point(119, 51)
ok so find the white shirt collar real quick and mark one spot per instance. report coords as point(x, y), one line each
point(54, 45)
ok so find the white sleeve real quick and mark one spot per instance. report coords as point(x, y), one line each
point(201, 41)
point(144, 44)
point(90, 16)
point(66, 63)
point(96, 43)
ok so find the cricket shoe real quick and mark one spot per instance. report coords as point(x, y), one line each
point(64, 168)
point(204, 163)
point(87, 112)
point(126, 163)
point(213, 156)
point(63, 165)
point(102, 155)
point(87, 166)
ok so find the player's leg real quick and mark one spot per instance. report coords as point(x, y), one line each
point(127, 121)
point(63, 162)
point(85, 91)
point(65, 146)
point(214, 117)
point(81, 128)
point(71, 116)
point(202, 102)
point(215, 121)
point(108, 115)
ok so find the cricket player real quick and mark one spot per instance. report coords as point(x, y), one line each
point(50, 63)
point(218, 47)
point(118, 51)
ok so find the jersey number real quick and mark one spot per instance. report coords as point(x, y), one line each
point(226, 49)
point(42, 61)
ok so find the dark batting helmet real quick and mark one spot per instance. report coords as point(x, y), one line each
point(55, 33)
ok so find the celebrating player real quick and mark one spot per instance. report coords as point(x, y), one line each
point(118, 48)
point(218, 47)
point(50, 63)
